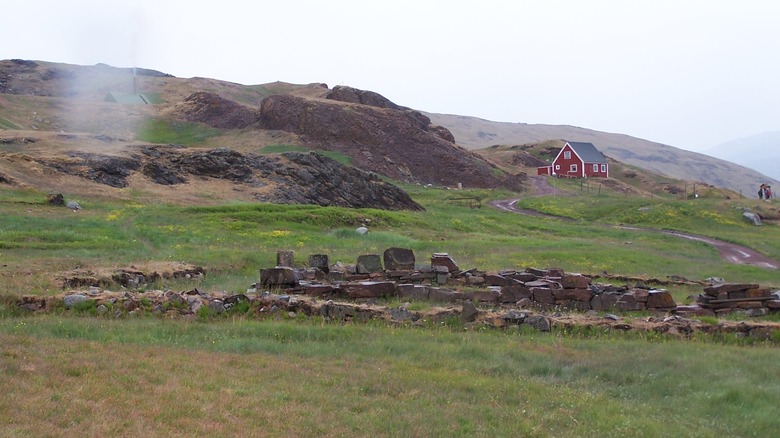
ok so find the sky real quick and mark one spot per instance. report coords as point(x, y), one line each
point(687, 73)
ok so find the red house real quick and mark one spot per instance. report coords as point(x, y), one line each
point(577, 160)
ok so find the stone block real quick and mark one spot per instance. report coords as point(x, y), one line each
point(399, 258)
point(660, 299)
point(605, 301)
point(639, 294)
point(728, 287)
point(414, 292)
point(575, 281)
point(280, 276)
point(445, 295)
point(369, 289)
point(627, 302)
point(285, 259)
point(584, 295)
point(542, 295)
point(444, 260)
point(368, 264)
point(319, 261)
point(486, 296)
point(513, 294)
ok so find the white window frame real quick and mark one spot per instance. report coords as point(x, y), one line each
point(573, 168)
point(595, 167)
point(567, 155)
point(604, 168)
point(557, 167)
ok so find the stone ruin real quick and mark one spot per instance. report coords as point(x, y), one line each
point(506, 299)
point(444, 281)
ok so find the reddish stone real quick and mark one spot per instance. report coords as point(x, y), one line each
point(660, 299)
point(486, 295)
point(575, 281)
point(542, 295)
point(413, 292)
point(513, 294)
point(369, 289)
point(443, 259)
point(728, 287)
point(584, 295)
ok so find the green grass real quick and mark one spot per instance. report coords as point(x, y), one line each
point(7, 124)
point(163, 131)
point(245, 377)
point(280, 148)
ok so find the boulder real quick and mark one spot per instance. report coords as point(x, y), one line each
point(71, 300)
point(399, 259)
point(319, 261)
point(575, 281)
point(285, 258)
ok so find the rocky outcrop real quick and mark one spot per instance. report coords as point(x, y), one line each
point(399, 143)
point(354, 95)
point(215, 111)
point(290, 178)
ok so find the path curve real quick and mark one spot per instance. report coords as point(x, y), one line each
point(731, 252)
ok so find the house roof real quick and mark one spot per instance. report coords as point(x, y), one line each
point(587, 152)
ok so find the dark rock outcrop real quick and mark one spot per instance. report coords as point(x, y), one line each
point(399, 143)
point(215, 111)
point(290, 178)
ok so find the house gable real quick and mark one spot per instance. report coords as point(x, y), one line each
point(579, 160)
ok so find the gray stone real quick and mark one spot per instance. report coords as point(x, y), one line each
point(285, 259)
point(319, 261)
point(752, 217)
point(73, 205)
point(402, 314)
point(217, 306)
point(361, 230)
point(368, 264)
point(413, 292)
point(469, 312)
point(444, 260)
point(102, 309)
point(72, 300)
point(539, 322)
point(399, 259)
point(279, 276)
point(514, 317)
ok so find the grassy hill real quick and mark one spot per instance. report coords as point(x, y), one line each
point(475, 133)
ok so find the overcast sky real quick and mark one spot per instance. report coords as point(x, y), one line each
point(688, 73)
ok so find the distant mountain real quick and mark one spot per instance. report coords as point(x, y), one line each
point(760, 152)
point(476, 133)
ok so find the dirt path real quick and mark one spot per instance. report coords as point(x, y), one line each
point(730, 252)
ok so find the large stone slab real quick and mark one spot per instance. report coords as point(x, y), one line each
point(605, 301)
point(285, 258)
point(583, 295)
point(416, 292)
point(660, 299)
point(281, 276)
point(542, 295)
point(515, 293)
point(575, 281)
point(399, 259)
point(369, 289)
point(368, 264)
point(444, 259)
point(319, 261)
point(445, 295)
point(728, 287)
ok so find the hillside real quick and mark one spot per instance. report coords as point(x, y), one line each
point(474, 133)
point(760, 152)
point(65, 110)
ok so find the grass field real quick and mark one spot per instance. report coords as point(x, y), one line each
point(65, 375)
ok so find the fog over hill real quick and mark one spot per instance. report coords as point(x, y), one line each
point(476, 133)
point(760, 152)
